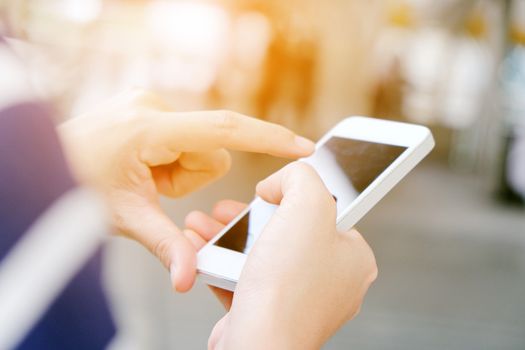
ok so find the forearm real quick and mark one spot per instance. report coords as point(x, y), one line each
point(257, 337)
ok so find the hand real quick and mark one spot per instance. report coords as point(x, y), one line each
point(135, 148)
point(303, 279)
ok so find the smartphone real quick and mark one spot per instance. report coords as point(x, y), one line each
point(360, 160)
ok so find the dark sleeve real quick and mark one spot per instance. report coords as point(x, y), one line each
point(33, 175)
point(33, 171)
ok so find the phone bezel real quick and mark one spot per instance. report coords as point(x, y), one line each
point(222, 267)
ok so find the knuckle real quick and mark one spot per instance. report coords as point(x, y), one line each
point(119, 222)
point(226, 122)
point(161, 250)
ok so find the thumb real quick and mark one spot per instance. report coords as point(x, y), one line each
point(297, 184)
point(151, 227)
point(305, 204)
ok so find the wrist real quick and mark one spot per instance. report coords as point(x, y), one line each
point(270, 324)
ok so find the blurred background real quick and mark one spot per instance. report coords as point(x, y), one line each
point(449, 240)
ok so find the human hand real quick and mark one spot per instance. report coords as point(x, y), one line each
point(303, 279)
point(135, 148)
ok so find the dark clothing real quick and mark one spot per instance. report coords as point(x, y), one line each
point(33, 175)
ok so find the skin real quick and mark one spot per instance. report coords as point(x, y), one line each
point(135, 148)
point(302, 280)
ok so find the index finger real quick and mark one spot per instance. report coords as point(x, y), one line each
point(207, 130)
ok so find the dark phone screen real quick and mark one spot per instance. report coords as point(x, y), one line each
point(347, 167)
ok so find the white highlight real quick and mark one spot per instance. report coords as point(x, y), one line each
point(14, 86)
point(84, 11)
point(193, 40)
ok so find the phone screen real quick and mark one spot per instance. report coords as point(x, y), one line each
point(346, 166)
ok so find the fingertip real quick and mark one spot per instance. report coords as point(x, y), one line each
point(226, 210)
point(218, 208)
point(182, 281)
point(173, 275)
point(264, 189)
point(270, 189)
point(183, 266)
point(193, 218)
point(259, 187)
point(184, 287)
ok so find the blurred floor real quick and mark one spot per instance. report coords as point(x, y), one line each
point(452, 269)
point(452, 274)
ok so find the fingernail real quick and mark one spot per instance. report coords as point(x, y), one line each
point(304, 143)
point(173, 271)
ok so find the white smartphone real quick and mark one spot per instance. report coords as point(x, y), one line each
point(359, 161)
